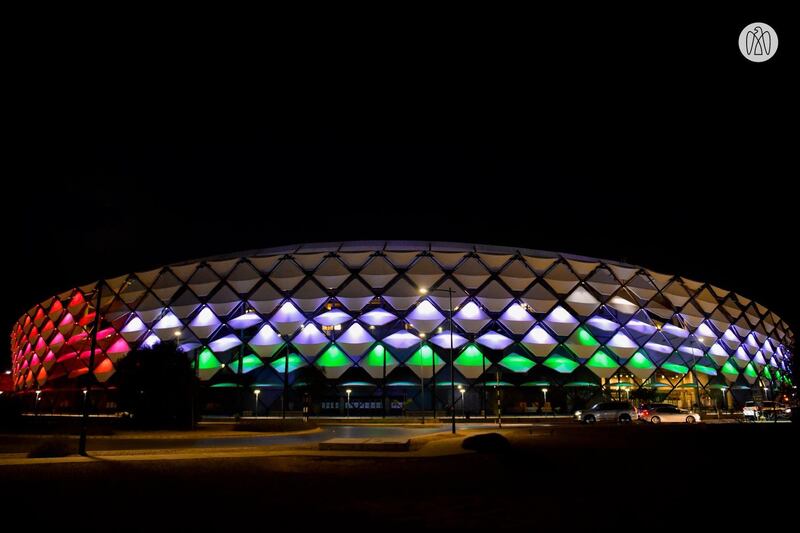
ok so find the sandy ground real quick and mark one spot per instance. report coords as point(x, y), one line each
point(560, 476)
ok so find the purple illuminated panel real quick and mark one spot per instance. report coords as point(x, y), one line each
point(402, 340)
point(310, 341)
point(603, 324)
point(539, 342)
point(493, 340)
point(561, 322)
point(377, 317)
point(622, 345)
point(675, 331)
point(658, 347)
point(224, 343)
point(266, 342)
point(168, 321)
point(517, 319)
point(287, 319)
point(150, 341)
point(425, 317)
point(332, 318)
point(132, 330)
point(471, 318)
point(442, 340)
point(205, 323)
point(244, 321)
point(641, 327)
point(205, 317)
point(355, 341)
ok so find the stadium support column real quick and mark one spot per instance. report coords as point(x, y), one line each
point(384, 383)
point(89, 375)
point(240, 410)
point(285, 381)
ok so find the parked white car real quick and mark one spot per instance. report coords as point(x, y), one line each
point(668, 413)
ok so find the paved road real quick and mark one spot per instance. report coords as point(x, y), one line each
point(20, 444)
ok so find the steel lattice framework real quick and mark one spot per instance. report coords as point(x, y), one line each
point(354, 312)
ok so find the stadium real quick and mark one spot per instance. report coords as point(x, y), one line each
point(391, 327)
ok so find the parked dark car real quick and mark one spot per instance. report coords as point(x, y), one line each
point(623, 412)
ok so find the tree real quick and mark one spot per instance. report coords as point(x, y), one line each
point(157, 386)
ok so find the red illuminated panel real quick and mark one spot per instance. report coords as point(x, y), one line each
point(41, 346)
point(79, 339)
point(77, 372)
point(77, 303)
point(87, 319)
point(57, 342)
point(39, 317)
point(66, 354)
point(97, 353)
point(49, 360)
point(48, 329)
point(104, 370)
point(67, 324)
point(55, 310)
point(106, 337)
point(118, 350)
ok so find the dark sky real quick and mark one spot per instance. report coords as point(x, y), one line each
point(645, 138)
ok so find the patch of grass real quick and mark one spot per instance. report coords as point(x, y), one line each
point(57, 447)
point(487, 443)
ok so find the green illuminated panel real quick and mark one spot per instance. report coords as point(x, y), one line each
point(585, 338)
point(561, 364)
point(703, 369)
point(207, 360)
point(674, 367)
point(424, 357)
point(602, 360)
point(749, 371)
point(582, 344)
point(223, 386)
point(517, 363)
point(471, 356)
point(729, 369)
point(250, 362)
point(295, 362)
point(767, 373)
point(640, 361)
point(333, 357)
point(376, 355)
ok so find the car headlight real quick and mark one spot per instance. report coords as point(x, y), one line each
point(578, 413)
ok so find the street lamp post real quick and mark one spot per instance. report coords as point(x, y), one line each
point(348, 391)
point(463, 405)
point(544, 391)
point(449, 292)
point(36, 404)
point(422, 376)
point(255, 412)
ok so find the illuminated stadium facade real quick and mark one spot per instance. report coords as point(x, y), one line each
point(373, 318)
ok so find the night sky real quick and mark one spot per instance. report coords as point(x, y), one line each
point(647, 139)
